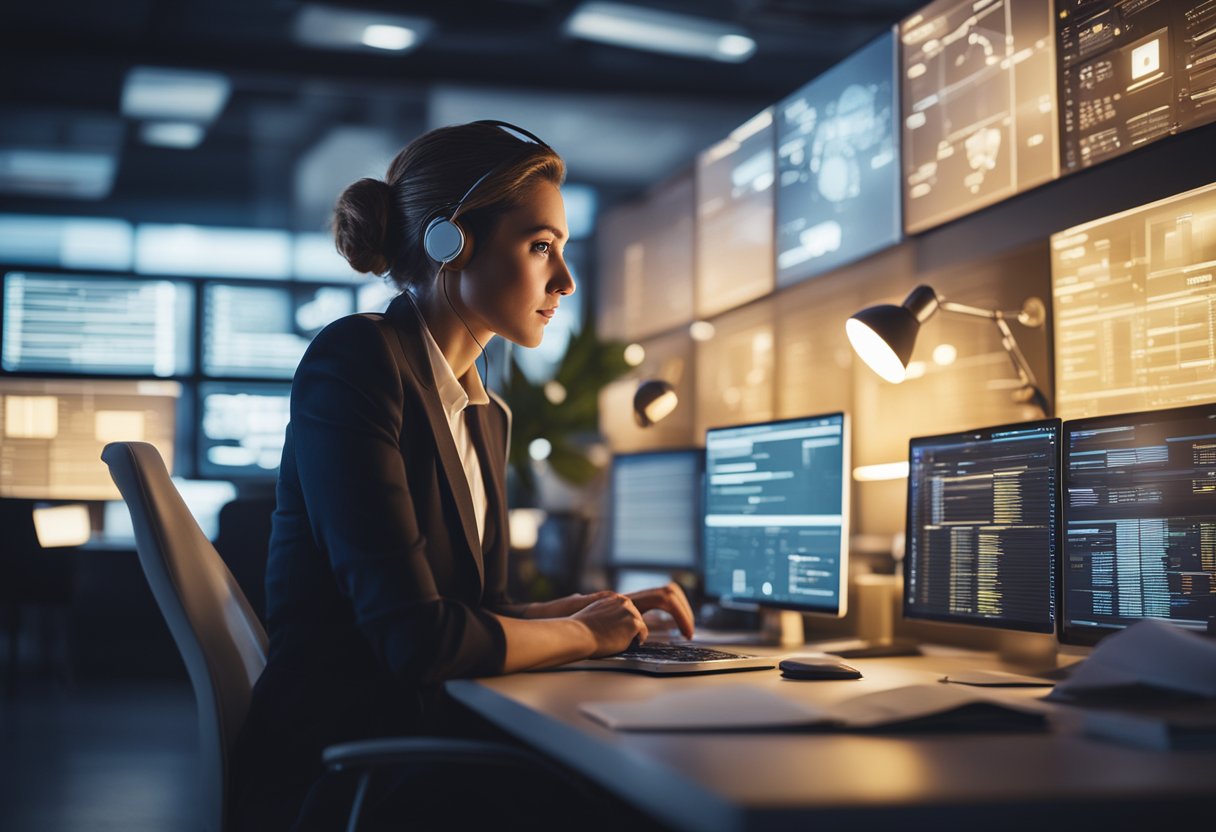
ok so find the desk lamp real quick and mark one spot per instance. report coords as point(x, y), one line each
point(654, 401)
point(883, 336)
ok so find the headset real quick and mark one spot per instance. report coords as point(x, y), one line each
point(445, 240)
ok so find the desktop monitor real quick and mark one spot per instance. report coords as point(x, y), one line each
point(1139, 522)
point(242, 429)
point(838, 184)
point(261, 331)
point(777, 514)
point(983, 527)
point(62, 323)
point(52, 433)
point(656, 509)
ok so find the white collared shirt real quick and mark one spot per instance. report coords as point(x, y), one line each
point(456, 395)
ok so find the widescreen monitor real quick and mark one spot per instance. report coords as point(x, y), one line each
point(838, 184)
point(60, 323)
point(983, 527)
point(777, 514)
point(656, 509)
point(978, 104)
point(734, 255)
point(1139, 522)
point(1131, 73)
point(52, 433)
point(1133, 295)
point(242, 428)
point(261, 331)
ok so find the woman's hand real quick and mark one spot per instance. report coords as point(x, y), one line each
point(613, 622)
point(670, 599)
point(563, 607)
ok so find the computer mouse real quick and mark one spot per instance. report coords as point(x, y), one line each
point(817, 668)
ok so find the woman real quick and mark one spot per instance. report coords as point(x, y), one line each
point(387, 566)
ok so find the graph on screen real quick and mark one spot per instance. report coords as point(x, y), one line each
point(116, 326)
point(1135, 301)
point(838, 166)
point(242, 428)
point(978, 107)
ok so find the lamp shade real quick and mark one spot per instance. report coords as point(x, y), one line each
point(884, 336)
point(654, 401)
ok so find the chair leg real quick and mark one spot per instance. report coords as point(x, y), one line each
point(357, 806)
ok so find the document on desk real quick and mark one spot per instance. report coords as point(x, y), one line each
point(741, 708)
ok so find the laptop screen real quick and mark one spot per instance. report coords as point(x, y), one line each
point(983, 515)
point(1139, 521)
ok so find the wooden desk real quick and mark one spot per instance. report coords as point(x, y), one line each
point(779, 780)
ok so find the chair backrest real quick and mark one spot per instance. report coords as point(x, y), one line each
point(220, 638)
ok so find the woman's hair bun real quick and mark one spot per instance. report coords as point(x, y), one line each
point(364, 226)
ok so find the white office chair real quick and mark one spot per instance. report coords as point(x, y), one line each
point(224, 645)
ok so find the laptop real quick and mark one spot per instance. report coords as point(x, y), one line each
point(675, 658)
point(655, 517)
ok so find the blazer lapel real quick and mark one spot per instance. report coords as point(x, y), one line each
point(407, 321)
point(489, 447)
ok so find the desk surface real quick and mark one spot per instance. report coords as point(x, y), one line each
point(768, 780)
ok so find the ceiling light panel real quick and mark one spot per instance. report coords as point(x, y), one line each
point(634, 27)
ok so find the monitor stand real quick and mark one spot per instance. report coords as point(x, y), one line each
point(782, 628)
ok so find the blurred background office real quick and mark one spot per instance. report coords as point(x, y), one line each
point(743, 176)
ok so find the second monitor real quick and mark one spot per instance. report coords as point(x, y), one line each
point(776, 514)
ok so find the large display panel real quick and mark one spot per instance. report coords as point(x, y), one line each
point(979, 108)
point(656, 509)
point(1139, 522)
point(735, 218)
point(53, 432)
point(983, 527)
point(113, 326)
point(838, 193)
point(242, 428)
point(1134, 304)
point(1131, 73)
point(645, 256)
point(262, 331)
point(777, 514)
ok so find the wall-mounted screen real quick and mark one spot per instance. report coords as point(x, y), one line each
point(645, 254)
point(838, 196)
point(1134, 304)
point(1131, 73)
point(242, 427)
point(114, 326)
point(262, 331)
point(52, 433)
point(735, 218)
point(979, 106)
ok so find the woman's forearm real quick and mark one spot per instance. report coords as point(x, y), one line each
point(533, 643)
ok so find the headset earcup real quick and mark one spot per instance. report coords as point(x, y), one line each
point(462, 257)
point(444, 240)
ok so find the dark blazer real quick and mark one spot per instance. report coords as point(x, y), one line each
point(377, 588)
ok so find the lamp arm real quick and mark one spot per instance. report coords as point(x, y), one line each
point(1025, 373)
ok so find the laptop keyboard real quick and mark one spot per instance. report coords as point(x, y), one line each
point(668, 653)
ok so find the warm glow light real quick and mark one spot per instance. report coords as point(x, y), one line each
point(873, 350)
point(635, 354)
point(701, 330)
point(539, 449)
point(555, 392)
point(523, 525)
point(881, 472)
point(661, 407)
point(944, 355)
point(62, 526)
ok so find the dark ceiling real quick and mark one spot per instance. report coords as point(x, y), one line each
point(298, 114)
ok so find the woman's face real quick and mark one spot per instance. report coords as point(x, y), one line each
point(514, 282)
